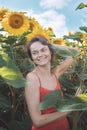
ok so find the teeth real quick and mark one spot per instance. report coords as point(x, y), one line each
point(41, 59)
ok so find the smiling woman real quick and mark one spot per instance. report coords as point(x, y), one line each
point(41, 81)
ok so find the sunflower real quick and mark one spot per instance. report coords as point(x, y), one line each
point(69, 33)
point(15, 23)
point(81, 54)
point(38, 31)
point(83, 36)
point(22, 12)
point(59, 41)
point(85, 43)
point(33, 23)
point(49, 30)
point(3, 11)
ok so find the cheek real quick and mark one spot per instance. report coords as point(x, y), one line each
point(33, 57)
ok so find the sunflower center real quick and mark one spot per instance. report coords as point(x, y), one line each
point(1, 15)
point(16, 21)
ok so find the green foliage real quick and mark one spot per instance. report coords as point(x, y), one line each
point(14, 64)
point(81, 6)
point(64, 53)
point(70, 103)
point(10, 72)
point(21, 125)
point(4, 103)
point(73, 37)
point(83, 29)
point(50, 100)
point(2, 128)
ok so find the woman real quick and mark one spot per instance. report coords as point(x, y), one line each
point(41, 81)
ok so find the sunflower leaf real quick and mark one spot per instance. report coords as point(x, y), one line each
point(83, 76)
point(4, 103)
point(64, 53)
point(70, 103)
point(10, 72)
point(73, 37)
point(66, 82)
point(84, 28)
point(50, 100)
point(81, 5)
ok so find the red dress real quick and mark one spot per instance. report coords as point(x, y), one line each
point(61, 124)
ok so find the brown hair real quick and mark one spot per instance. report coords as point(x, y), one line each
point(43, 41)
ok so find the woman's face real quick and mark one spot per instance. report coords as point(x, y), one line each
point(40, 53)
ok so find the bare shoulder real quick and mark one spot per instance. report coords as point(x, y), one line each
point(32, 80)
point(31, 76)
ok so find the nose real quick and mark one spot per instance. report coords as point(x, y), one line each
point(40, 54)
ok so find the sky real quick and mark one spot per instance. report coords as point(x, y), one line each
point(58, 14)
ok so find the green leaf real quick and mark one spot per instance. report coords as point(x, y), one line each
point(10, 72)
point(1, 128)
point(4, 103)
point(50, 99)
point(83, 76)
point(74, 52)
point(70, 103)
point(66, 82)
point(81, 5)
point(73, 37)
point(25, 123)
point(64, 53)
point(2, 62)
point(84, 28)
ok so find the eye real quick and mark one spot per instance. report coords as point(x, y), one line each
point(34, 53)
point(44, 49)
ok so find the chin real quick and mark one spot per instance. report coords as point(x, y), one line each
point(43, 64)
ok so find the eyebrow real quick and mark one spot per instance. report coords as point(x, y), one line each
point(40, 49)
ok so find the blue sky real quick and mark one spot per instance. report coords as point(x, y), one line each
point(58, 14)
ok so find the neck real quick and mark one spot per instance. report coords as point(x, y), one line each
point(44, 70)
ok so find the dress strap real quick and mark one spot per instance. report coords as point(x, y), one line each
point(58, 83)
point(37, 77)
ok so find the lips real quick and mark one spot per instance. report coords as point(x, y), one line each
point(42, 58)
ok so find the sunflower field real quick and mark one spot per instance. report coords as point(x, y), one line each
point(16, 29)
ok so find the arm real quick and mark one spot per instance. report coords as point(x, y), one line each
point(64, 66)
point(33, 100)
point(60, 69)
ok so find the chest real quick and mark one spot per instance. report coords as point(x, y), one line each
point(49, 82)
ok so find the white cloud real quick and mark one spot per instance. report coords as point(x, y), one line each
point(57, 4)
point(51, 18)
